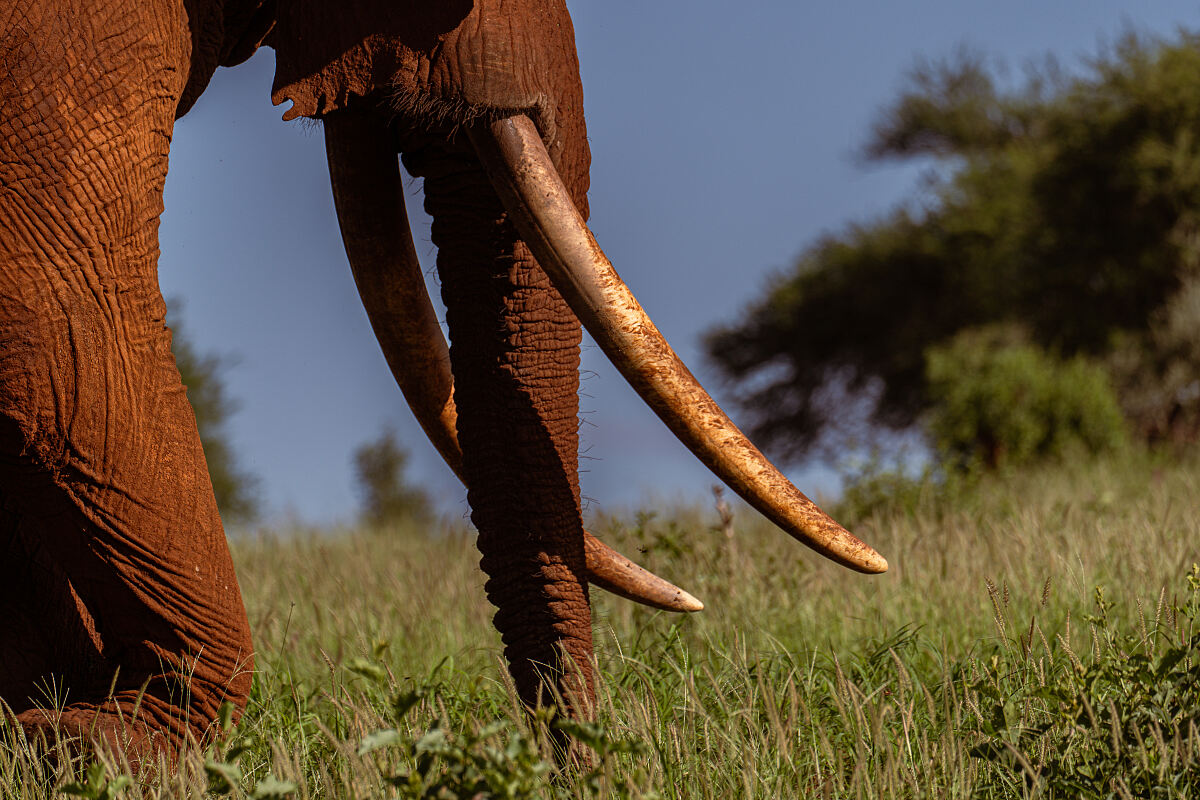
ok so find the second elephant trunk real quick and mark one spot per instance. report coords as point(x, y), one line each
point(514, 351)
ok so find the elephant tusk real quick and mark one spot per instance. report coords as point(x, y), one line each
point(522, 173)
point(616, 574)
point(369, 197)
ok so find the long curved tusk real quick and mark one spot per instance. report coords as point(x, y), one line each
point(369, 197)
point(525, 178)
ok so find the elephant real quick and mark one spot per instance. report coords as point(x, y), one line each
point(121, 619)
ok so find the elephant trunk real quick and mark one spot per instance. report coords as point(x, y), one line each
point(515, 358)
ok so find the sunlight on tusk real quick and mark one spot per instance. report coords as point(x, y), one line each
point(515, 158)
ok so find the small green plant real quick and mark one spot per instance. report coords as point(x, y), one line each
point(225, 779)
point(97, 785)
point(496, 760)
point(1125, 722)
point(224, 773)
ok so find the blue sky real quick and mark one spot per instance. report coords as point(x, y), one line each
point(722, 145)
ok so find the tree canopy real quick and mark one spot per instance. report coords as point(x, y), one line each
point(1068, 206)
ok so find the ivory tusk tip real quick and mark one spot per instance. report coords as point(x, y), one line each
point(872, 564)
point(686, 603)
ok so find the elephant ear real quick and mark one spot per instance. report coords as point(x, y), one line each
point(328, 54)
point(439, 63)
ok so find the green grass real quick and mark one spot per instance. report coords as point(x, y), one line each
point(986, 663)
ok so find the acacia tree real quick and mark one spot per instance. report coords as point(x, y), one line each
point(1068, 207)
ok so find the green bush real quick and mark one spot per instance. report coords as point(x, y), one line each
point(999, 400)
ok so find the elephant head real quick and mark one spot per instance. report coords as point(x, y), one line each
point(481, 99)
point(485, 103)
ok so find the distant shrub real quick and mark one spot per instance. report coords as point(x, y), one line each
point(1000, 400)
point(385, 494)
point(874, 487)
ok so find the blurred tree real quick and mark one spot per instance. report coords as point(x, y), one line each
point(236, 490)
point(1069, 206)
point(386, 497)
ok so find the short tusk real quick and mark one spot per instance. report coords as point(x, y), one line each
point(541, 207)
point(369, 196)
point(615, 573)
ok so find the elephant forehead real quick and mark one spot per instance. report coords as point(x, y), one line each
point(483, 55)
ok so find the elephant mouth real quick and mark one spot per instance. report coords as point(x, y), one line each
point(369, 195)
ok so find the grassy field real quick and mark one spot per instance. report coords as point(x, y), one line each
point(1035, 637)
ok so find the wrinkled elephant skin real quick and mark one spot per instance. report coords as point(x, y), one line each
point(113, 561)
point(112, 555)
